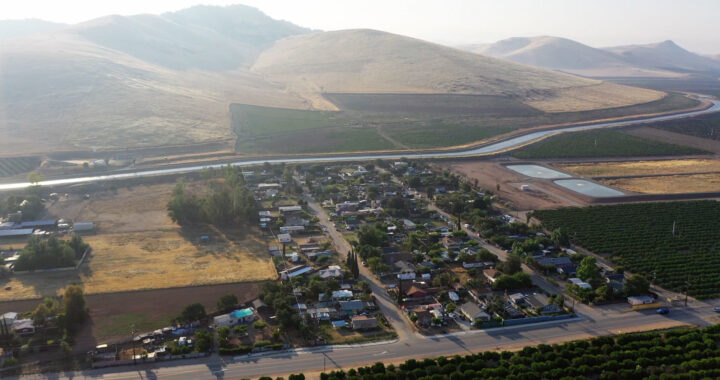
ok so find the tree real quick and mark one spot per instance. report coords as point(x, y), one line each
point(588, 270)
point(193, 312)
point(512, 265)
point(637, 285)
point(34, 178)
point(203, 340)
point(74, 305)
point(560, 237)
point(227, 302)
point(372, 236)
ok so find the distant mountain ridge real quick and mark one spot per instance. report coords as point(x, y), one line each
point(158, 80)
point(20, 28)
point(660, 59)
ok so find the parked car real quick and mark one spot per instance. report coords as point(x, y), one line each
point(717, 309)
point(364, 264)
point(663, 310)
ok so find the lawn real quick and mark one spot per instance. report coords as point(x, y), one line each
point(438, 133)
point(256, 120)
point(671, 241)
point(626, 168)
point(600, 143)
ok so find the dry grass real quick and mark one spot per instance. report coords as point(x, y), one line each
point(598, 96)
point(677, 184)
point(138, 247)
point(601, 169)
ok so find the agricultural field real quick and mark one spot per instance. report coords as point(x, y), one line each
point(634, 168)
point(17, 165)
point(138, 247)
point(641, 237)
point(706, 126)
point(673, 184)
point(601, 143)
point(368, 122)
point(672, 354)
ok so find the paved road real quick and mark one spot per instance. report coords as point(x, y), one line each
point(386, 305)
point(413, 347)
point(487, 149)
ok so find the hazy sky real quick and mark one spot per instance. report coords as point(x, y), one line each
point(694, 24)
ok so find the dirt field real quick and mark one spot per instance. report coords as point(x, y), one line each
point(138, 247)
point(676, 184)
point(112, 314)
point(675, 138)
point(489, 174)
point(620, 168)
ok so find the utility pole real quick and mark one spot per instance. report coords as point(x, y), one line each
point(687, 288)
point(132, 331)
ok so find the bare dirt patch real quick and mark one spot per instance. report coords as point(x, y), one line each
point(541, 195)
point(674, 184)
point(138, 247)
point(675, 138)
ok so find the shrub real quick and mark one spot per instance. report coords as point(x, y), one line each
point(259, 325)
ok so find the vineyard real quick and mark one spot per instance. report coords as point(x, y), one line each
point(677, 243)
point(674, 354)
point(707, 126)
point(17, 165)
point(601, 143)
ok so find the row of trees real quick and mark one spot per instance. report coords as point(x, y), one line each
point(40, 253)
point(227, 201)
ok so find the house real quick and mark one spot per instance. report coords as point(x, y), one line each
point(318, 254)
point(235, 317)
point(352, 307)
point(322, 313)
point(409, 225)
point(23, 327)
point(580, 283)
point(640, 300)
point(342, 294)
point(338, 324)
point(492, 274)
point(472, 312)
point(415, 292)
point(452, 244)
point(518, 299)
point(540, 301)
point(291, 229)
point(333, 271)
point(512, 312)
point(362, 322)
point(295, 271)
point(289, 209)
point(424, 318)
point(259, 305)
point(568, 269)
point(284, 238)
point(346, 206)
point(617, 277)
point(555, 261)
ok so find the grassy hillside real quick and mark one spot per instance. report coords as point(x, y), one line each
point(379, 62)
point(666, 55)
point(600, 143)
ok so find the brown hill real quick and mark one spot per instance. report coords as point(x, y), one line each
point(357, 61)
point(563, 54)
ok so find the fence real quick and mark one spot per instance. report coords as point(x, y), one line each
point(522, 321)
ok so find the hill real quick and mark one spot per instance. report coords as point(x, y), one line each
point(201, 37)
point(120, 82)
point(370, 61)
point(565, 55)
point(666, 55)
point(20, 28)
